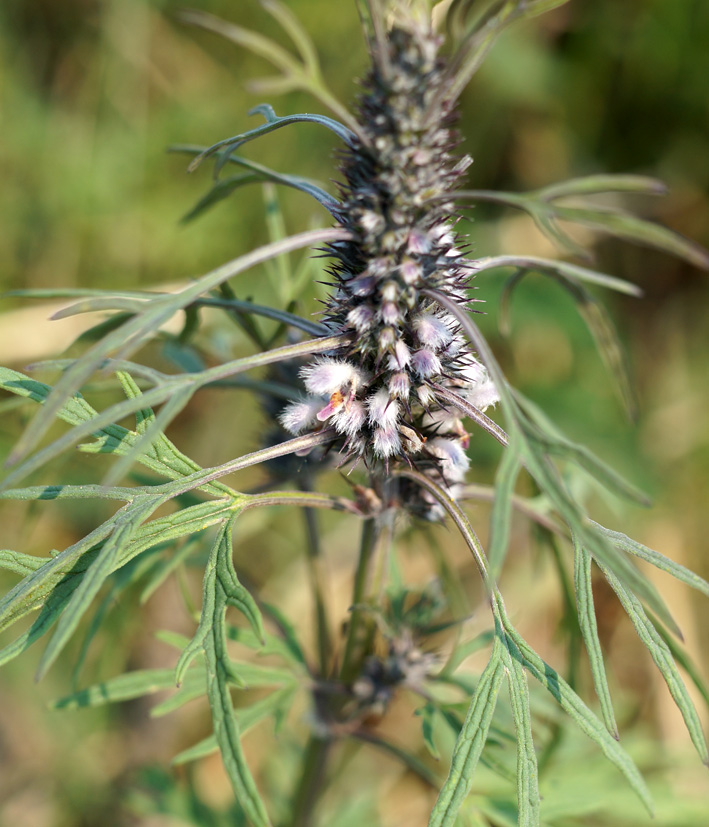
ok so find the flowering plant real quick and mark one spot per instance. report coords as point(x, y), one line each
point(389, 387)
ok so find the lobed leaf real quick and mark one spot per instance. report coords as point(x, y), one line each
point(226, 728)
point(572, 704)
point(470, 742)
point(562, 270)
point(536, 439)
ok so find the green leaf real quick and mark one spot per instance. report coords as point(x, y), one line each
point(218, 192)
point(124, 687)
point(576, 709)
point(428, 714)
point(589, 630)
point(560, 270)
point(684, 661)
point(156, 311)
point(33, 590)
point(226, 729)
point(295, 75)
point(599, 324)
point(93, 579)
point(678, 571)
point(166, 390)
point(480, 38)
point(51, 586)
point(541, 206)
point(527, 770)
point(273, 122)
point(467, 648)
point(595, 184)
point(164, 568)
point(276, 703)
point(19, 562)
point(194, 685)
point(162, 456)
point(631, 228)
point(259, 173)
point(501, 516)
point(291, 647)
point(663, 659)
point(205, 747)
point(470, 743)
point(538, 438)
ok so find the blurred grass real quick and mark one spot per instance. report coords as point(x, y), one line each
point(91, 94)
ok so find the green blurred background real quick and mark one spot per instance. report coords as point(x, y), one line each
point(91, 94)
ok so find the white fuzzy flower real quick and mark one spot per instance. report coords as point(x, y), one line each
point(418, 242)
point(442, 421)
point(299, 416)
point(411, 271)
point(426, 363)
point(383, 410)
point(361, 317)
point(325, 376)
point(483, 395)
point(441, 235)
point(454, 460)
point(472, 372)
point(386, 442)
point(426, 395)
point(401, 356)
point(350, 418)
point(432, 331)
point(390, 313)
point(453, 348)
point(399, 384)
point(371, 221)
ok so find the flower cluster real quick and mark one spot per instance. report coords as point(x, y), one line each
point(379, 392)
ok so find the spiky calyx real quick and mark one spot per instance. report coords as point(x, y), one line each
point(379, 393)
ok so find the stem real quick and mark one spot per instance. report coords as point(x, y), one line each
point(315, 572)
point(360, 627)
point(311, 780)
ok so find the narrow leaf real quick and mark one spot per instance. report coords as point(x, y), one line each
point(527, 770)
point(678, 571)
point(19, 562)
point(124, 687)
point(589, 630)
point(631, 228)
point(561, 269)
point(501, 516)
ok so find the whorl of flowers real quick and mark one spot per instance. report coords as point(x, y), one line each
point(379, 392)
